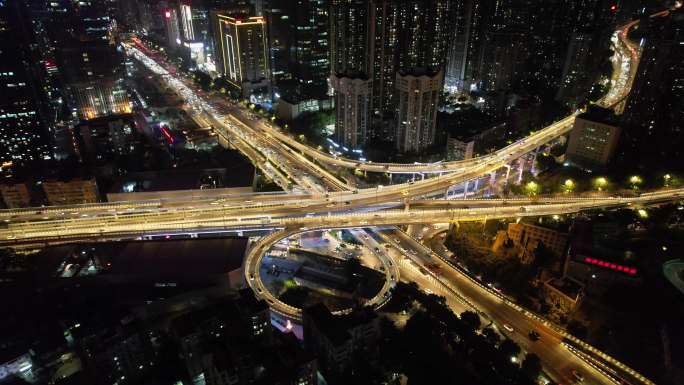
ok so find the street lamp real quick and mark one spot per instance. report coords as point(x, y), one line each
point(600, 183)
point(532, 188)
point(667, 178)
point(635, 181)
point(569, 185)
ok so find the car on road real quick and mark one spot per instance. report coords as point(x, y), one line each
point(533, 335)
point(508, 327)
point(579, 377)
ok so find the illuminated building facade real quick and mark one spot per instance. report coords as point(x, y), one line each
point(458, 49)
point(593, 139)
point(348, 34)
point(94, 77)
point(186, 21)
point(242, 53)
point(418, 98)
point(173, 35)
point(70, 192)
point(298, 51)
point(352, 101)
point(380, 38)
point(23, 136)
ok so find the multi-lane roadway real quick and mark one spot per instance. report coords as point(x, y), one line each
point(330, 202)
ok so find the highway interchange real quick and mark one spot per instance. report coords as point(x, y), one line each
point(316, 199)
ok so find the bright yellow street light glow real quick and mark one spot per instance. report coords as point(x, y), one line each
point(635, 179)
point(600, 183)
point(569, 183)
point(642, 213)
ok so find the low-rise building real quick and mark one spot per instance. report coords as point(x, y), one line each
point(459, 149)
point(70, 192)
point(597, 275)
point(102, 139)
point(593, 139)
point(232, 342)
point(598, 259)
point(290, 108)
point(564, 295)
point(15, 195)
point(528, 237)
point(336, 339)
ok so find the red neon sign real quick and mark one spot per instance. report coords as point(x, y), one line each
point(612, 266)
point(167, 134)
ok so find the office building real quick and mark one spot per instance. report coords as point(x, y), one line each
point(418, 94)
point(173, 36)
point(593, 139)
point(70, 192)
point(196, 41)
point(23, 134)
point(299, 54)
point(242, 53)
point(93, 74)
point(335, 340)
point(95, 19)
point(352, 103)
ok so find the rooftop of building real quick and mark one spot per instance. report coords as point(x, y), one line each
point(567, 286)
point(104, 120)
point(601, 240)
point(336, 328)
point(241, 174)
point(464, 123)
point(284, 360)
point(600, 115)
point(558, 227)
point(419, 71)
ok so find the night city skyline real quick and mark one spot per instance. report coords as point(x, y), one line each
point(309, 192)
